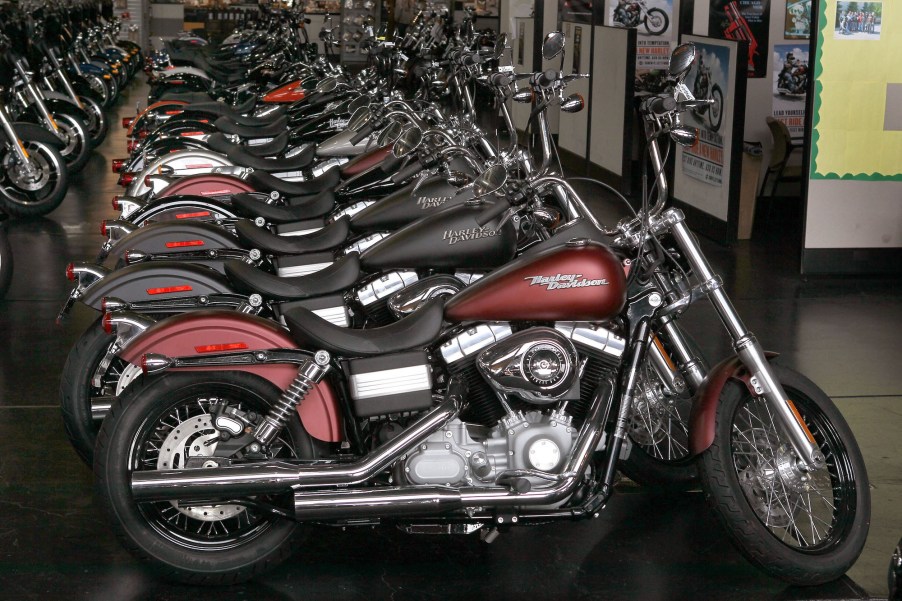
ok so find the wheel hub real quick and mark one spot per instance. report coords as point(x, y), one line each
point(774, 486)
point(192, 439)
point(29, 179)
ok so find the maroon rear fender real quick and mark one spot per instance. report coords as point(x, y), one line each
point(207, 185)
point(187, 335)
point(707, 398)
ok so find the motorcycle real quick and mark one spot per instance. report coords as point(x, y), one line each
point(636, 12)
point(506, 405)
point(793, 82)
point(704, 88)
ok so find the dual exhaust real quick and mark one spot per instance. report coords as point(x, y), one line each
point(203, 485)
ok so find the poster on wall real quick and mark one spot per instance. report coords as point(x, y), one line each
point(577, 47)
point(521, 34)
point(858, 20)
point(798, 20)
point(653, 21)
point(858, 94)
point(747, 21)
point(790, 80)
point(708, 79)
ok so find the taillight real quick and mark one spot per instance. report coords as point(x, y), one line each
point(184, 243)
point(107, 323)
point(70, 272)
point(126, 178)
point(118, 164)
point(127, 122)
point(168, 290)
point(217, 348)
point(103, 229)
point(116, 205)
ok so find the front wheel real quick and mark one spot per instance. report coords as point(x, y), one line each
point(78, 141)
point(715, 111)
point(98, 124)
point(656, 21)
point(804, 527)
point(35, 188)
point(165, 423)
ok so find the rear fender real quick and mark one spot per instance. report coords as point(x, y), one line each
point(175, 236)
point(707, 399)
point(183, 336)
point(181, 208)
point(208, 185)
point(156, 281)
point(163, 106)
point(36, 133)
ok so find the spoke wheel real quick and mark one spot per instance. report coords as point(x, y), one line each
point(804, 527)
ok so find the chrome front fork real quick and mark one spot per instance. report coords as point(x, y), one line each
point(746, 345)
point(14, 140)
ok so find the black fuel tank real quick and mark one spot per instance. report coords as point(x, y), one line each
point(406, 205)
point(448, 239)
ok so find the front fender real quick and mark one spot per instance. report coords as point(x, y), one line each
point(182, 336)
point(66, 106)
point(157, 281)
point(707, 398)
point(36, 133)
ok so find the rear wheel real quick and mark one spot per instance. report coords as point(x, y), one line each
point(164, 423)
point(804, 527)
point(656, 21)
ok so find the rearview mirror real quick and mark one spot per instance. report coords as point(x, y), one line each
point(327, 85)
point(457, 179)
point(358, 102)
point(408, 142)
point(500, 45)
point(390, 134)
point(360, 116)
point(490, 180)
point(552, 45)
point(681, 59)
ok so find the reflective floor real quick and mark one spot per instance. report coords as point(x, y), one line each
point(55, 544)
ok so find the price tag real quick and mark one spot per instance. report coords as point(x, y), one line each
point(507, 69)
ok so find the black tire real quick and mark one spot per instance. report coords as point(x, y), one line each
point(656, 21)
point(659, 433)
point(715, 111)
point(100, 87)
point(98, 123)
point(77, 391)
point(78, 147)
point(6, 259)
point(31, 196)
point(166, 536)
point(749, 477)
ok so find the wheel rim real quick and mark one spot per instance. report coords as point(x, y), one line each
point(23, 187)
point(659, 419)
point(810, 512)
point(186, 425)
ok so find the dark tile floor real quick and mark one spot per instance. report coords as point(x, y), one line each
point(54, 543)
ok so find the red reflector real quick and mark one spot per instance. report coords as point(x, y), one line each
point(148, 181)
point(173, 112)
point(107, 323)
point(70, 272)
point(169, 290)
point(115, 203)
point(127, 122)
point(176, 82)
point(118, 164)
point(216, 348)
point(188, 134)
point(132, 144)
point(192, 215)
point(182, 243)
point(103, 230)
point(144, 364)
point(126, 178)
point(204, 120)
point(143, 134)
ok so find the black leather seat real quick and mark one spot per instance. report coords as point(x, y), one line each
point(189, 97)
point(263, 130)
point(417, 330)
point(219, 143)
point(222, 108)
point(264, 181)
point(333, 235)
point(248, 279)
point(240, 155)
point(298, 209)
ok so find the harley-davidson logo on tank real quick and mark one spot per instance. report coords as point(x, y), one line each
point(470, 233)
point(564, 280)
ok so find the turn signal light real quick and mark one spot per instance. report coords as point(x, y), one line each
point(127, 122)
point(118, 164)
point(70, 272)
point(125, 178)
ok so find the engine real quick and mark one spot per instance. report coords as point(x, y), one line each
point(528, 393)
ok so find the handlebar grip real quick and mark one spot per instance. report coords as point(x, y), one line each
point(661, 105)
point(408, 171)
point(500, 206)
point(363, 132)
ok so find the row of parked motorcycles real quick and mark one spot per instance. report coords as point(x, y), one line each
point(61, 69)
point(337, 299)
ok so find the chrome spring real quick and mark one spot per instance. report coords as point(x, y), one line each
point(310, 373)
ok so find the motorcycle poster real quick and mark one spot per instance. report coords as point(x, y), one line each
point(743, 20)
point(653, 21)
point(798, 20)
point(858, 20)
point(790, 80)
point(708, 79)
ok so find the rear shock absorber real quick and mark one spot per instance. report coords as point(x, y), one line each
point(310, 373)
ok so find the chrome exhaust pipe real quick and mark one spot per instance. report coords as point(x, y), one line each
point(279, 476)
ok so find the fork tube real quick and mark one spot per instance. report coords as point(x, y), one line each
point(14, 140)
point(687, 362)
point(745, 343)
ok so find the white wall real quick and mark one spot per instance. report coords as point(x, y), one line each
point(854, 214)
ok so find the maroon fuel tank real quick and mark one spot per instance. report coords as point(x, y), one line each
point(580, 281)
